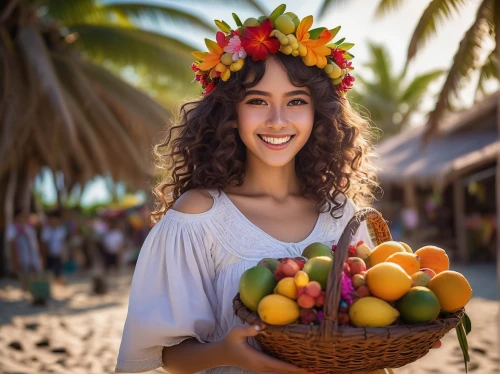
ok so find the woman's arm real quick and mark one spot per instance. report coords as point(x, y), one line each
point(191, 356)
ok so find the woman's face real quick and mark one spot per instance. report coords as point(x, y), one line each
point(275, 119)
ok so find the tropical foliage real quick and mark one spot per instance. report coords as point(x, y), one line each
point(387, 97)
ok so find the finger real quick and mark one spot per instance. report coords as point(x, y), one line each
point(436, 345)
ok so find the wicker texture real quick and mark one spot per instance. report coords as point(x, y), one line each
point(330, 348)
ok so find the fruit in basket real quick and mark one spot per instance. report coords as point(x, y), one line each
point(388, 281)
point(363, 251)
point(419, 305)
point(408, 261)
point(434, 258)
point(289, 267)
point(420, 278)
point(313, 289)
point(431, 273)
point(278, 310)
point(255, 284)
point(307, 316)
point(358, 280)
point(406, 247)
point(382, 251)
point(270, 263)
point(306, 301)
point(320, 300)
point(301, 279)
point(372, 312)
point(362, 291)
point(287, 287)
point(356, 265)
point(451, 289)
point(317, 249)
point(317, 268)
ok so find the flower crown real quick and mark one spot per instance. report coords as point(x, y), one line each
point(258, 38)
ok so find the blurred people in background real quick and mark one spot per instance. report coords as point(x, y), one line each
point(54, 240)
point(23, 248)
point(113, 245)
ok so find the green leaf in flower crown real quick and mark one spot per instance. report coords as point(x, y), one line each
point(335, 31)
point(348, 56)
point(339, 42)
point(224, 27)
point(346, 46)
point(237, 20)
point(315, 33)
point(280, 9)
point(462, 340)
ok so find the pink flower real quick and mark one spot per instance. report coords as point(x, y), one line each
point(347, 290)
point(234, 46)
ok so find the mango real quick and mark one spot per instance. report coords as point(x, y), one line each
point(317, 268)
point(317, 249)
point(419, 305)
point(278, 310)
point(256, 283)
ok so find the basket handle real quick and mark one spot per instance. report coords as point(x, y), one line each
point(333, 288)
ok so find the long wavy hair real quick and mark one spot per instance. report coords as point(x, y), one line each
point(204, 150)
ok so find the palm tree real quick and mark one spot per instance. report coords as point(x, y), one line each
point(61, 109)
point(390, 101)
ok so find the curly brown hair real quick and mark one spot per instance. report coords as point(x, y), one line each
point(205, 151)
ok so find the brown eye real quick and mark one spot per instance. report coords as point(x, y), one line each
point(297, 102)
point(256, 102)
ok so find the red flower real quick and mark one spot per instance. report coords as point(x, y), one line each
point(346, 84)
point(340, 60)
point(258, 41)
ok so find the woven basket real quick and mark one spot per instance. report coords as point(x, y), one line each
point(330, 348)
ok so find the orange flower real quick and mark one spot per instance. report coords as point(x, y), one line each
point(316, 49)
point(209, 60)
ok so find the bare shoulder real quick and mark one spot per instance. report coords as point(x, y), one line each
point(194, 201)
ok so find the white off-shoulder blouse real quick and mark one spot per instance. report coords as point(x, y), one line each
point(188, 272)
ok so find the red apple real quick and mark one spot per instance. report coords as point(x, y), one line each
point(289, 267)
point(313, 289)
point(356, 264)
point(347, 269)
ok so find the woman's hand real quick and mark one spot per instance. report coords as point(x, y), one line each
point(436, 344)
point(241, 354)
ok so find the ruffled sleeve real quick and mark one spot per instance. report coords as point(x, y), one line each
point(172, 296)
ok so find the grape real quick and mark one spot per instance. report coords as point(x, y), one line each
point(284, 24)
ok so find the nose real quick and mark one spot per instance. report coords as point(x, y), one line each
point(277, 119)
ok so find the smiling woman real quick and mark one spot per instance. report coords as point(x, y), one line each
point(248, 120)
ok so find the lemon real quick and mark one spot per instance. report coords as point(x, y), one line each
point(372, 312)
point(287, 287)
point(382, 251)
point(278, 310)
point(388, 281)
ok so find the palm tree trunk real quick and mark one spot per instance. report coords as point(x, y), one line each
point(7, 195)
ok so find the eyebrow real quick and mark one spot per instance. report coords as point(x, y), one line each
point(288, 94)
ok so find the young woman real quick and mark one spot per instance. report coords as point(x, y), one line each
point(271, 159)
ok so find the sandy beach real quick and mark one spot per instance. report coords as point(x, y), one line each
point(78, 332)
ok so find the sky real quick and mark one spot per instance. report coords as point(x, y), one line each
point(359, 26)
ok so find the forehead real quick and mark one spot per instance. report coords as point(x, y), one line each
point(276, 78)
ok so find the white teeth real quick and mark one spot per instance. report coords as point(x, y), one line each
point(276, 140)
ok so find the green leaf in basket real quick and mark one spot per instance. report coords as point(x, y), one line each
point(467, 323)
point(462, 340)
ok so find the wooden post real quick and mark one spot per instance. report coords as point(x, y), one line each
point(459, 210)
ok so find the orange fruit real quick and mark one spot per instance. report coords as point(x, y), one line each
point(452, 290)
point(406, 247)
point(410, 262)
point(382, 251)
point(388, 281)
point(434, 258)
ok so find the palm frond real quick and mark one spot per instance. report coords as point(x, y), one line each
point(125, 46)
point(326, 5)
point(76, 12)
point(159, 15)
point(419, 86)
point(380, 63)
point(488, 71)
point(37, 60)
point(385, 6)
point(436, 12)
point(464, 61)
